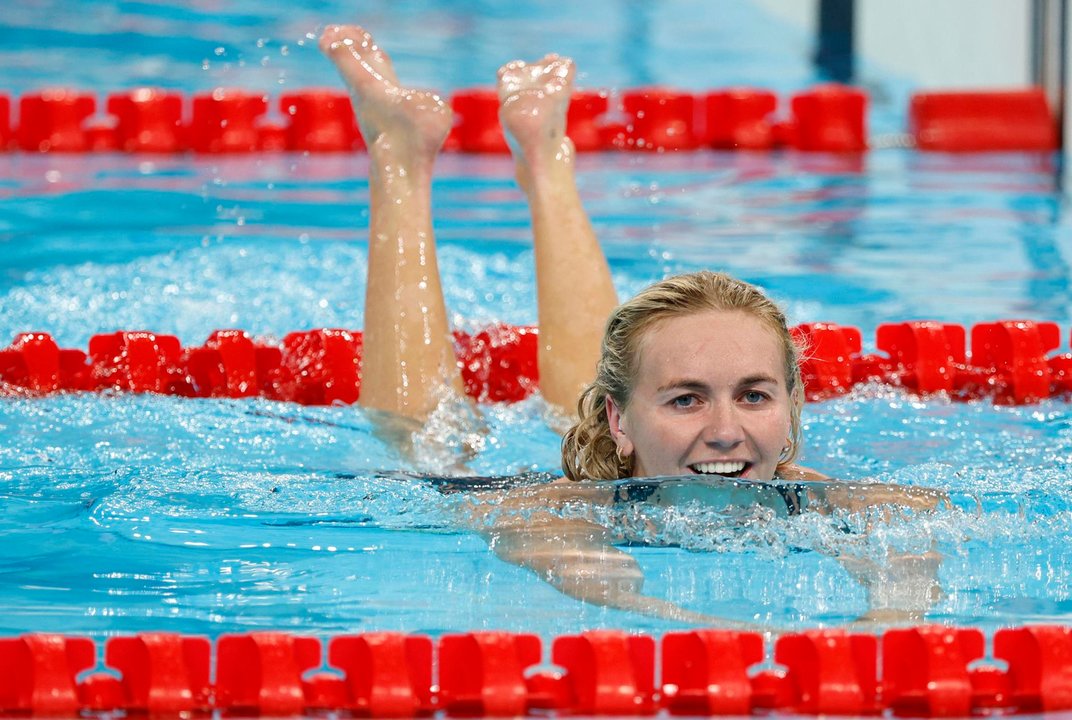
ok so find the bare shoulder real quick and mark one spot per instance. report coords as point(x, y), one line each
point(800, 473)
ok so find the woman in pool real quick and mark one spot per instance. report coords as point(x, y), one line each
point(695, 375)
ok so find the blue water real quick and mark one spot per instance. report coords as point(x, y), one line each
point(125, 513)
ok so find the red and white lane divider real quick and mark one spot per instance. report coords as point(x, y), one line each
point(826, 118)
point(928, 671)
point(1010, 363)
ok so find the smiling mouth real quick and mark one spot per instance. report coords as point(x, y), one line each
point(727, 468)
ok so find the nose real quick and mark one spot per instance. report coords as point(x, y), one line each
point(724, 429)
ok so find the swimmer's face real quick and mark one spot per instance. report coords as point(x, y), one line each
point(710, 397)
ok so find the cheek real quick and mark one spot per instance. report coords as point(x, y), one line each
point(777, 427)
point(653, 435)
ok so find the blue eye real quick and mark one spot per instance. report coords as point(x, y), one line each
point(684, 401)
point(754, 397)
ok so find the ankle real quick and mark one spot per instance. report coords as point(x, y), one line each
point(544, 169)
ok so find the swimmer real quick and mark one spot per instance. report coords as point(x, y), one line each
point(695, 376)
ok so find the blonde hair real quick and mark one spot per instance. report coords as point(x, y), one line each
point(588, 449)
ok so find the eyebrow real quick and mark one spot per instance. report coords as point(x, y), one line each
point(691, 384)
point(757, 379)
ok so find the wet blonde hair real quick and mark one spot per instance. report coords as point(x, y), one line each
point(588, 449)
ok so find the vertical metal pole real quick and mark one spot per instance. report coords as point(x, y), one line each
point(1049, 53)
point(835, 53)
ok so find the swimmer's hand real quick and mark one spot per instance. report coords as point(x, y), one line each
point(900, 590)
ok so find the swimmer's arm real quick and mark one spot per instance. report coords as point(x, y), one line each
point(856, 497)
point(546, 496)
point(576, 557)
point(903, 586)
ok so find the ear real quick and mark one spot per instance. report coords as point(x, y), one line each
point(614, 420)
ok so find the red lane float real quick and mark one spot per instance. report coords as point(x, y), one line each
point(926, 671)
point(827, 351)
point(1014, 353)
point(740, 119)
point(1040, 667)
point(53, 121)
point(385, 674)
point(705, 672)
point(476, 122)
point(38, 673)
point(320, 121)
point(261, 673)
point(159, 673)
point(483, 673)
point(973, 121)
point(225, 121)
point(585, 121)
point(830, 672)
point(136, 362)
point(1009, 363)
point(830, 118)
point(923, 356)
point(7, 137)
point(148, 121)
point(658, 120)
point(826, 118)
point(609, 672)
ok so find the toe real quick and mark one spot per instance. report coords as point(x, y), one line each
point(335, 37)
point(560, 70)
point(512, 76)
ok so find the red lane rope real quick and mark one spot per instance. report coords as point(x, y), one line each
point(826, 118)
point(1010, 363)
point(929, 671)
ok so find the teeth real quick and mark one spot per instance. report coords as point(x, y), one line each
point(719, 468)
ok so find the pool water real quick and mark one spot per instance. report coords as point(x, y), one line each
point(135, 512)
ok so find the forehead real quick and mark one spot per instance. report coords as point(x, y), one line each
point(717, 346)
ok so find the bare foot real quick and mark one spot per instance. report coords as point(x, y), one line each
point(533, 100)
point(392, 118)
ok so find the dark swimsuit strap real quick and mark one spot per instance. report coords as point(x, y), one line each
point(794, 495)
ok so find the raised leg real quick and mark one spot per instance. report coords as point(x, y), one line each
point(408, 355)
point(574, 291)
